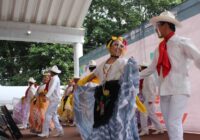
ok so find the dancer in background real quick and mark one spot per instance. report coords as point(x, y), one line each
point(149, 93)
point(22, 109)
point(39, 106)
point(53, 96)
point(62, 108)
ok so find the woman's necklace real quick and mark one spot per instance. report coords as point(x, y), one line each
point(107, 68)
point(106, 71)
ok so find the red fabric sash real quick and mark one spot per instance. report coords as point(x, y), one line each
point(163, 60)
point(141, 85)
point(47, 86)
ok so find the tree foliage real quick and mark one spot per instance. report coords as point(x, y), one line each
point(116, 17)
point(21, 60)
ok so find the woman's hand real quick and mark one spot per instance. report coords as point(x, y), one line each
point(86, 79)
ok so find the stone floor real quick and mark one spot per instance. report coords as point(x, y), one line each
point(72, 134)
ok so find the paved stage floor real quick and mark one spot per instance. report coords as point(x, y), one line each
point(72, 134)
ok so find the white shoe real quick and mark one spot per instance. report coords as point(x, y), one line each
point(64, 124)
point(43, 135)
point(142, 133)
point(158, 132)
point(59, 134)
point(72, 124)
point(23, 127)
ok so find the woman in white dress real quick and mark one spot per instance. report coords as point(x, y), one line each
point(114, 105)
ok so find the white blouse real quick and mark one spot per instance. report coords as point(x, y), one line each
point(107, 72)
point(31, 92)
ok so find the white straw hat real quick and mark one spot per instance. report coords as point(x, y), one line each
point(55, 69)
point(46, 73)
point(76, 77)
point(92, 63)
point(32, 80)
point(166, 16)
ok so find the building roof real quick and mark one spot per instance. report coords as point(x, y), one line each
point(54, 21)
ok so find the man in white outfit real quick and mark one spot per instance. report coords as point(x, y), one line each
point(149, 93)
point(53, 95)
point(171, 61)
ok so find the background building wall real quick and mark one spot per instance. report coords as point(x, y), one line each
point(142, 50)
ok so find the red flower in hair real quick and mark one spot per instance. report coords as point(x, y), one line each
point(125, 42)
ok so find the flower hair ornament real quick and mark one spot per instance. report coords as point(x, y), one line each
point(115, 38)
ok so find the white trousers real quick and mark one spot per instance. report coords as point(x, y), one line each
point(173, 107)
point(51, 114)
point(151, 113)
point(27, 114)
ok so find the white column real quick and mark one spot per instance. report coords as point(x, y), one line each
point(78, 52)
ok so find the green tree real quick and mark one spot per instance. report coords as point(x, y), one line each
point(21, 60)
point(117, 17)
point(53, 54)
point(12, 56)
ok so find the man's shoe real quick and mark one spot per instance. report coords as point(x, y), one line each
point(23, 127)
point(59, 134)
point(158, 132)
point(142, 133)
point(43, 135)
point(72, 124)
point(64, 124)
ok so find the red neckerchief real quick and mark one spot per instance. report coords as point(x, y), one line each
point(47, 86)
point(163, 60)
point(141, 85)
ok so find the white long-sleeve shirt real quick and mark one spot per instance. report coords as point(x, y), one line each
point(180, 51)
point(149, 89)
point(31, 92)
point(53, 93)
point(114, 71)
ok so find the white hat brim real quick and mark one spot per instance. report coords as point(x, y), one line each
point(56, 71)
point(92, 65)
point(46, 74)
point(143, 65)
point(156, 19)
point(76, 77)
point(32, 81)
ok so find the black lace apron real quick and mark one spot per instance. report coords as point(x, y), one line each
point(105, 102)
